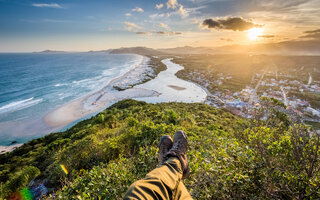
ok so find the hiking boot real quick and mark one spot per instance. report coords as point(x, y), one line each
point(179, 150)
point(165, 145)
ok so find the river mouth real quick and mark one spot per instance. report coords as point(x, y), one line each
point(172, 88)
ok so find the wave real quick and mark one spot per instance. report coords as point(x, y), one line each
point(60, 84)
point(18, 105)
point(110, 72)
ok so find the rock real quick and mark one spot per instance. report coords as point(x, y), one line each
point(14, 142)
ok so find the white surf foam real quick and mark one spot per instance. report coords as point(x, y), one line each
point(60, 84)
point(18, 105)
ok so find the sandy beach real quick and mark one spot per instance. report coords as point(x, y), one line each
point(5, 149)
point(99, 100)
point(166, 87)
point(82, 107)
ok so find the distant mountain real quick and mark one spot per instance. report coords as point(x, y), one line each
point(188, 50)
point(291, 47)
point(136, 50)
point(50, 51)
point(310, 47)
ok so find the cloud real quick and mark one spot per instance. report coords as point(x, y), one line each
point(179, 9)
point(313, 34)
point(46, 5)
point(165, 26)
point(226, 39)
point(275, 5)
point(156, 15)
point(168, 33)
point(182, 11)
point(230, 23)
point(144, 33)
point(128, 14)
point(172, 4)
point(131, 26)
point(137, 9)
point(266, 36)
point(159, 6)
point(313, 31)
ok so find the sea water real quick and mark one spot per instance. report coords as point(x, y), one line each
point(32, 84)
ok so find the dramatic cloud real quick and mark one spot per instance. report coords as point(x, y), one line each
point(172, 4)
point(165, 26)
point(168, 33)
point(159, 6)
point(314, 34)
point(137, 9)
point(128, 14)
point(131, 26)
point(266, 36)
point(144, 33)
point(230, 23)
point(46, 5)
point(226, 39)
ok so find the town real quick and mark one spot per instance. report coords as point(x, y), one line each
point(299, 94)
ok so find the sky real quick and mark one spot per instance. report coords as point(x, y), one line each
point(82, 25)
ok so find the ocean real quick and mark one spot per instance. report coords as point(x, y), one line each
point(32, 84)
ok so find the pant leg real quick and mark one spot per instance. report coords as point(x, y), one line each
point(162, 183)
point(182, 193)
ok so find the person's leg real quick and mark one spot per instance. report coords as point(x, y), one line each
point(160, 183)
point(165, 182)
point(182, 193)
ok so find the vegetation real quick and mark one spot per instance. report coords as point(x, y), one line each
point(230, 157)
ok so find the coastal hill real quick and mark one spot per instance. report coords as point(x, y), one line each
point(230, 157)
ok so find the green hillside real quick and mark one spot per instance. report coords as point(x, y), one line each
point(230, 157)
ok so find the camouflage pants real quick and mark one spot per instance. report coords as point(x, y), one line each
point(164, 182)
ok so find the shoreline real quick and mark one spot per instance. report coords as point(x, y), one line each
point(6, 149)
point(96, 101)
point(64, 115)
point(164, 87)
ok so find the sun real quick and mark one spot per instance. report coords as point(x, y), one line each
point(254, 33)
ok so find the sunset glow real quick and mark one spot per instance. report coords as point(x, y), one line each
point(69, 26)
point(254, 33)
